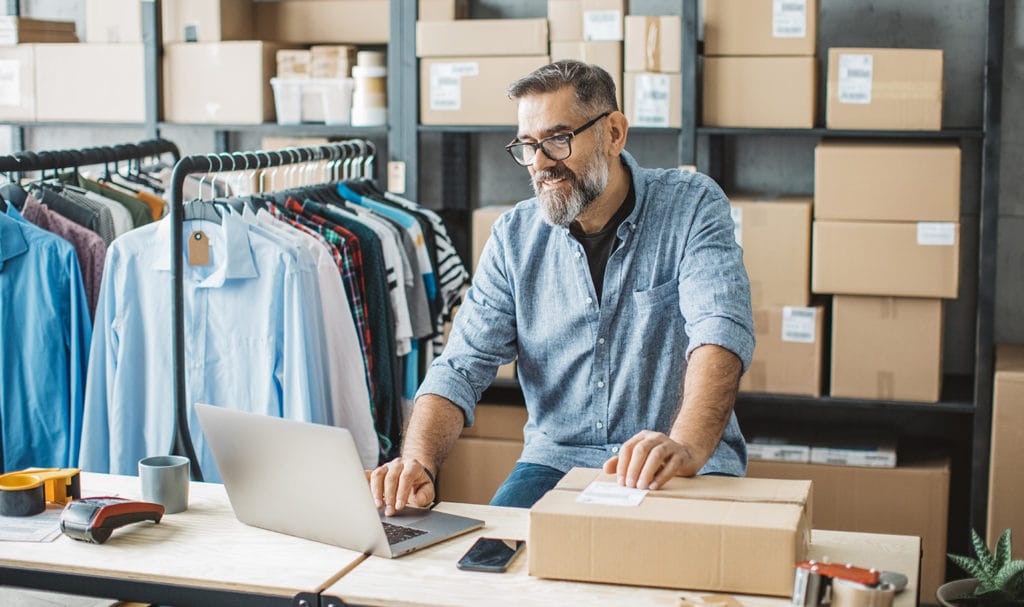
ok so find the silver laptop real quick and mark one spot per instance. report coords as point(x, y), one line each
point(307, 480)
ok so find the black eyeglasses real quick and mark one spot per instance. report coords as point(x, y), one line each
point(555, 147)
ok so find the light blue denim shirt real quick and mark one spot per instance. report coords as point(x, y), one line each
point(593, 373)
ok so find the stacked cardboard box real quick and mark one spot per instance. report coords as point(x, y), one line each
point(654, 86)
point(484, 455)
point(776, 238)
point(590, 32)
point(483, 221)
point(467, 65)
point(886, 244)
point(884, 88)
point(759, 69)
point(1006, 477)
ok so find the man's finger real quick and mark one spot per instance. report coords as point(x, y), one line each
point(637, 460)
point(377, 486)
point(406, 484)
point(391, 486)
point(611, 464)
point(655, 461)
point(668, 471)
point(625, 453)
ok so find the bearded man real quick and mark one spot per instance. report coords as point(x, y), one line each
point(621, 291)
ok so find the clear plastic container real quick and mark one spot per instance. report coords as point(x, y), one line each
point(287, 100)
point(337, 98)
point(326, 100)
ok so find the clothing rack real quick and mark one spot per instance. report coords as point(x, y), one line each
point(66, 159)
point(344, 151)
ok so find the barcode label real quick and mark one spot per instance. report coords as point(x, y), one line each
point(789, 18)
point(936, 234)
point(10, 83)
point(651, 100)
point(855, 76)
point(602, 25)
point(799, 325)
point(446, 84)
point(737, 222)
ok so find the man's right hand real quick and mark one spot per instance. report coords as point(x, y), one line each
point(400, 482)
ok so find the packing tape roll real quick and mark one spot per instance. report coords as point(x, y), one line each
point(26, 492)
point(852, 594)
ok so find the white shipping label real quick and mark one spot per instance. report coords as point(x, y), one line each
point(855, 74)
point(799, 324)
point(446, 84)
point(602, 25)
point(651, 100)
point(789, 18)
point(10, 83)
point(737, 220)
point(937, 234)
point(611, 494)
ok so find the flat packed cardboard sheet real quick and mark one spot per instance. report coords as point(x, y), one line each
point(909, 500)
point(884, 88)
point(26, 30)
point(874, 258)
point(654, 44)
point(887, 348)
point(742, 27)
point(863, 181)
point(68, 89)
point(1006, 476)
point(471, 90)
point(772, 92)
point(776, 238)
point(705, 533)
point(788, 355)
point(481, 37)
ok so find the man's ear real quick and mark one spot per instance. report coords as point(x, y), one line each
point(616, 129)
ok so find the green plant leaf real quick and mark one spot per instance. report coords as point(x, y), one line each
point(972, 567)
point(1005, 578)
point(1003, 550)
point(988, 562)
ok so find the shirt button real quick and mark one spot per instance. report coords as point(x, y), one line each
point(590, 300)
point(600, 340)
point(600, 384)
point(615, 449)
point(600, 425)
point(578, 254)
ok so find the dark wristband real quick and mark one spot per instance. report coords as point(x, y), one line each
point(430, 475)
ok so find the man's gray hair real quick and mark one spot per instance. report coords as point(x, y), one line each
point(595, 89)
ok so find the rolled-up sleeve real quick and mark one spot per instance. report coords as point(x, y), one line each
point(713, 286)
point(483, 335)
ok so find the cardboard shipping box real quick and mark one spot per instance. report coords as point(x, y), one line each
point(481, 37)
point(654, 44)
point(875, 258)
point(788, 355)
point(653, 100)
point(113, 21)
point(318, 21)
point(887, 348)
point(61, 68)
point(497, 421)
point(565, 20)
point(25, 30)
point(776, 238)
point(475, 469)
point(742, 27)
point(773, 92)
point(884, 88)
point(443, 10)
point(206, 20)
point(605, 54)
point(18, 83)
point(705, 533)
point(887, 181)
point(912, 499)
point(483, 220)
point(471, 90)
point(1006, 477)
point(602, 19)
point(219, 82)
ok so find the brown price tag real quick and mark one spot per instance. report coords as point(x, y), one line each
point(198, 249)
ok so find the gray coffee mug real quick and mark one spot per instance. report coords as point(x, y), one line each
point(165, 480)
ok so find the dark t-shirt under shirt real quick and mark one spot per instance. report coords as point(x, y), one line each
point(601, 244)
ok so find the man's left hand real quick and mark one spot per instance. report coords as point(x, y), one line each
point(649, 459)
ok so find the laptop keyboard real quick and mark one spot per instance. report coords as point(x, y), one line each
point(397, 533)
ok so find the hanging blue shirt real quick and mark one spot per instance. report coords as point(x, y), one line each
point(595, 372)
point(253, 341)
point(45, 330)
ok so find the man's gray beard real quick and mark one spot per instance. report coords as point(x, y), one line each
point(561, 209)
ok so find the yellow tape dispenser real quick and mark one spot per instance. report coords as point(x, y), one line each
point(25, 492)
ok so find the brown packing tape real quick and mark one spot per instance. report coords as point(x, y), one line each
point(652, 44)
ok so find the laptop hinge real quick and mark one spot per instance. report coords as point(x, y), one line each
point(306, 599)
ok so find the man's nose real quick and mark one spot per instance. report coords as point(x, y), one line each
point(541, 161)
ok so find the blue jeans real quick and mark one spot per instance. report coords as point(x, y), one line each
point(526, 484)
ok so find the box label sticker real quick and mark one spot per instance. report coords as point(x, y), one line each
point(611, 494)
point(8, 37)
point(936, 233)
point(651, 100)
point(855, 74)
point(446, 84)
point(799, 324)
point(789, 18)
point(10, 83)
point(737, 220)
point(602, 25)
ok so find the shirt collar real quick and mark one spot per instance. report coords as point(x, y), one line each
point(238, 258)
point(12, 239)
point(639, 192)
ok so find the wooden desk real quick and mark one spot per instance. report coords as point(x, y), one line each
point(203, 556)
point(429, 577)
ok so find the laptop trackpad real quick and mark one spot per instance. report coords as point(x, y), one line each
point(407, 517)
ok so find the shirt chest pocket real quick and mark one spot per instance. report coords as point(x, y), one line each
point(661, 295)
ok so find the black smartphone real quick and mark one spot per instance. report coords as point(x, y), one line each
point(490, 554)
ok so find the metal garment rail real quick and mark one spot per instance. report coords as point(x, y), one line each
point(66, 159)
point(219, 163)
